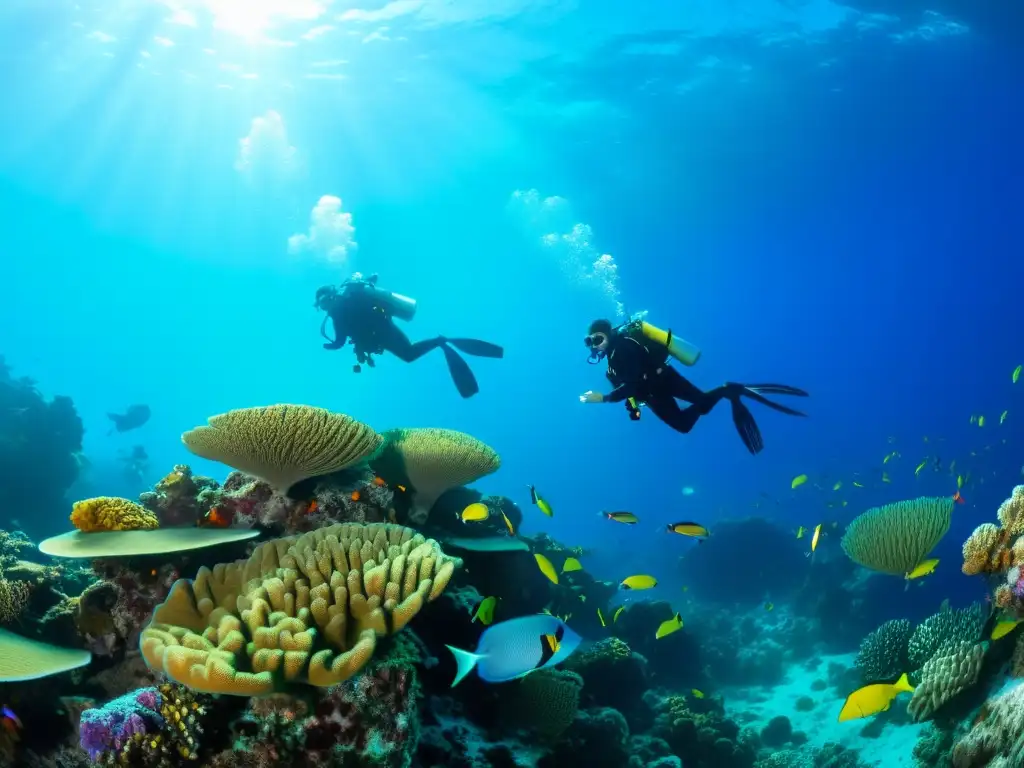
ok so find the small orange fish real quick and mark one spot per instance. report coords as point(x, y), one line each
point(217, 519)
point(356, 496)
point(313, 507)
point(379, 482)
point(958, 498)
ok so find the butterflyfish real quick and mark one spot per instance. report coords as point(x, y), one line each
point(571, 564)
point(872, 699)
point(815, 537)
point(542, 505)
point(1005, 627)
point(694, 530)
point(798, 481)
point(618, 612)
point(622, 517)
point(475, 513)
point(485, 613)
point(600, 617)
point(546, 568)
point(640, 581)
point(514, 648)
point(1016, 373)
point(924, 568)
point(669, 626)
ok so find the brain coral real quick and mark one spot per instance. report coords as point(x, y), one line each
point(283, 444)
point(109, 513)
point(300, 609)
point(895, 538)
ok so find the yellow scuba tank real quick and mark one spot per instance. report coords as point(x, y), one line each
point(682, 350)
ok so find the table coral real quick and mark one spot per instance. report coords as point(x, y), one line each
point(109, 513)
point(307, 608)
point(896, 537)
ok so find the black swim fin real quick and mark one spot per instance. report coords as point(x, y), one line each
point(477, 348)
point(460, 372)
point(757, 391)
point(746, 426)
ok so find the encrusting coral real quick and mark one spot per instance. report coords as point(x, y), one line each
point(895, 538)
point(341, 586)
point(283, 444)
point(428, 462)
point(109, 513)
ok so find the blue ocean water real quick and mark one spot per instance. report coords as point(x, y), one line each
point(814, 194)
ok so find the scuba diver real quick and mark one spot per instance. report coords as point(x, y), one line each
point(366, 314)
point(638, 367)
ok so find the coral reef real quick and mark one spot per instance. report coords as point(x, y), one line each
point(997, 738)
point(883, 653)
point(344, 585)
point(698, 732)
point(894, 538)
point(952, 670)
point(107, 513)
point(945, 629)
point(176, 499)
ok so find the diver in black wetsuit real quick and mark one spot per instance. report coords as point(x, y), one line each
point(364, 313)
point(638, 367)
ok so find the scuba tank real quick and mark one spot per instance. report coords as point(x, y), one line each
point(393, 304)
point(686, 353)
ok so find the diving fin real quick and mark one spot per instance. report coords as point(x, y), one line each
point(682, 350)
point(460, 372)
point(477, 348)
point(754, 392)
point(746, 426)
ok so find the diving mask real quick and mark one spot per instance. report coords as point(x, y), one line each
point(594, 342)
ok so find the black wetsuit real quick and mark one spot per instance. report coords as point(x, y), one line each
point(641, 371)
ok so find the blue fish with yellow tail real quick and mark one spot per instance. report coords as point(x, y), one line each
point(514, 648)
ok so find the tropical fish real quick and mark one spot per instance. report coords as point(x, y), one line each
point(133, 418)
point(542, 505)
point(694, 530)
point(600, 617)
point(974, 419)
point(571, 564)
point(1005, 627)
point(622, 517)
point(475, 513)
point(885, 477)
point(838, 485)
point(669, 626)
point(981, 421)
point(688, 490)
point(800, 532)
point(1016, 373)
point(546, 568)
point(508, 524)
point(485, 611)
point(1002, 416)
point(814, 539)
point(857, 485)
point(514, 648)
point(958, 499)
point(217, 519)
point(924, 568)
point(618, 611)
point(872, 699)
point(769, 606)
point(920, 466)
point(959, 481)
point(697, 694)
point(798, 481)
point(640, 581)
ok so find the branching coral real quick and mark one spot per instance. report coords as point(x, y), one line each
point(307, 608)
point(152, 727)
point(109, 513)
point(952, 670)
point(283, 444)
point(883, 653)
point(894, 538)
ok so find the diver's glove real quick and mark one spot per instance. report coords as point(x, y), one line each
point(591, 397)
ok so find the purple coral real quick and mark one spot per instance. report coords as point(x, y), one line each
point(112, 726)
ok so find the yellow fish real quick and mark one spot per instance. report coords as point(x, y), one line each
point(640, 581)
point(981, 421)
point(475, 513)
point(920, 466)
point(571, 564)
point(1016, 373)
point(887, 458)
point(798, 481)
point(619, 610)
point(959, 481)
point(924, 568)
point(872, 699)
point(622, 517)
point(857, 485)
point(669, 626)
point(885, 477)
point(1005, 627)
point(1002, 416)
point(694, 530)
point(800, 532)
point(814, 539)
point(508, 524)
point(600, 617)
point(697, 694)
point(838, 485)
point(546, 568)
point(542, 505)
point(486, 611)
point(769, 607)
